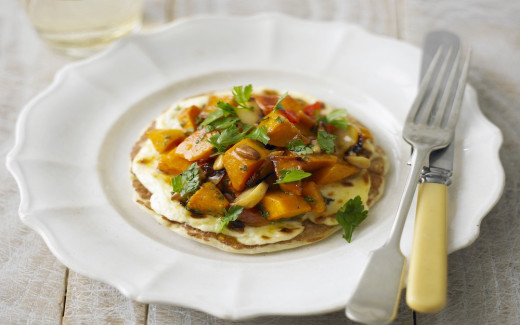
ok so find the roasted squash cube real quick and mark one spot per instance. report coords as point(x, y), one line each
point(172, 164)
point(266, 102)
point(314, 162)
point(242, 160)
point(291, 104)
point(195, 147)
point(252, 217)
point(333, 173)
point(280, 205)
point(213, 100)
point(312, 194)
point(287, 163)
point(188, 118)
point(208, 200)
point(279, 129)
point(165, 140)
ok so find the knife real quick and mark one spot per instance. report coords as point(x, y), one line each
point(427, 274)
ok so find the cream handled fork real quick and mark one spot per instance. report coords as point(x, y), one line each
point(376, 297)
point(427, 271)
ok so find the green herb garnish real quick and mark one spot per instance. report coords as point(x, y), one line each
point(231, 215)
point(350, 215)
point(292, 175)
point(188, 181)
point(278, 104)
point(309, 199)
point(242, 95)
point(298, 147)
point(226, 138)
point(259, 134)
point(223, 110)
point(326, 141)
point(336, 118)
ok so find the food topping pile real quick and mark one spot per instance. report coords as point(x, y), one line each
point(252, 159)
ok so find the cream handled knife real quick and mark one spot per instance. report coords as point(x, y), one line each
point(427, 274)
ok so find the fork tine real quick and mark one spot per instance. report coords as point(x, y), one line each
point(459, 93)
point(428, 76)
point(427, 107)
point(447, 95)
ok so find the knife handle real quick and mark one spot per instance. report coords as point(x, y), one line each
point(427, 275)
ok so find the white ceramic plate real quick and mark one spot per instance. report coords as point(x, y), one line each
point(71, 159)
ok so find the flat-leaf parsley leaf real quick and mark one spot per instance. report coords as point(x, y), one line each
point(336, 118)
point(188, 181)
point(326, 141)
point(298, 147)
point(292, 175)
point(350, 215)
point(259, 134)
point(231, 215)
point(241, 95)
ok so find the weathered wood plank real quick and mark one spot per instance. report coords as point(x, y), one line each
point(32, 281)
point(483, 286)
point(162, 315)
point(378, 16)
point(92, 302)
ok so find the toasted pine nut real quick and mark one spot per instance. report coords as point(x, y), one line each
point(358, 161)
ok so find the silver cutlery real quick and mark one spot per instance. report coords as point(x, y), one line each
point(429, 126)
point(427, 272)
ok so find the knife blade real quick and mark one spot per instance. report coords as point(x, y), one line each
point(427, 275)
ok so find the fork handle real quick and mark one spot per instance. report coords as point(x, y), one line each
point(427, 275)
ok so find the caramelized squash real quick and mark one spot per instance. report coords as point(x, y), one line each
point(172, 164)
point(188, 118)
point(266, 102)
point(291, 104)
point(213, 100)
point(333, 173)
point(208, 200)
point(242, 160)
point(165, 140)
point(311, 163)
point(286, 163)
point(252, 217)
point(195, 147)
point(280, 205)
point(311, 192)
point(279, 129)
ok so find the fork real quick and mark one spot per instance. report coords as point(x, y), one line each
point(376, 297)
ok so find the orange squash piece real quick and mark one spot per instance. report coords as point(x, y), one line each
point(188, 118)
point(333, 173)
point(314, 162)
point(208, 200)
point(195, 147)
point(283, 205)
point(286, 163)
point(237, 164)
point(312, 191)
point(266, 102)
point(252, 217)
point(213, 100)
point(279, 129)
point(292, 104)
point(172, 164)
point(165, 140)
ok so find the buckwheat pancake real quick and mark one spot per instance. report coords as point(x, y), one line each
point(255, 171)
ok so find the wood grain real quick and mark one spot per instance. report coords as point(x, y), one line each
point(32, 282)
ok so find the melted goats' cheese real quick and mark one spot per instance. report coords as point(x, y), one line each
point(144, 168)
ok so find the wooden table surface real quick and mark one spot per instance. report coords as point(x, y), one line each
point(484, 279)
